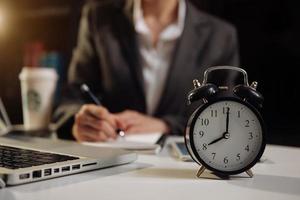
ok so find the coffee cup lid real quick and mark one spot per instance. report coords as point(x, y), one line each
point(38, 73)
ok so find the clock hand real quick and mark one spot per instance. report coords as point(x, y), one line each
point(224, 136)
point(227, 119)
point(216, 140)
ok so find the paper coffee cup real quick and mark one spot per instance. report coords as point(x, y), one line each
point(37, 89)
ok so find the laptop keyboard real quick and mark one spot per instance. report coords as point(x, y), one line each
point(15, 158)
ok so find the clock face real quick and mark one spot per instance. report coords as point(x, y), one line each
point(227, 136)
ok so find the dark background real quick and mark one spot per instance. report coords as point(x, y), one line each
point(268, 35)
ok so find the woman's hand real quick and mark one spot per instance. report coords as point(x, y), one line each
point(135, 122)
point(94, 123)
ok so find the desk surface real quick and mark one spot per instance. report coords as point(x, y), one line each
point(163, 177)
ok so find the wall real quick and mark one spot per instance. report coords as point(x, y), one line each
point(268, 35)
point(52, 22)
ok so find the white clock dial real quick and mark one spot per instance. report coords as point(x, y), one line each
point(227, 136)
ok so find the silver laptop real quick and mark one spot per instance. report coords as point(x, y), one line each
point(29, 159)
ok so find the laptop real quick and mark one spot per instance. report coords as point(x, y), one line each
point(29, 159)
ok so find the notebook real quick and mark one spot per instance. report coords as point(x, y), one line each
point(146, 143)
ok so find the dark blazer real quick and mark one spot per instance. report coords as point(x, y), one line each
point(107, 59)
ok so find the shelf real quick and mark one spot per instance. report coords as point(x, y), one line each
point(45, 12)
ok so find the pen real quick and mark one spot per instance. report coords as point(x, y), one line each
point(86, 90)
point(162, 140)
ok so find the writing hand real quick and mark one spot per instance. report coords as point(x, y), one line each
point(94, 123)
point(135, 122)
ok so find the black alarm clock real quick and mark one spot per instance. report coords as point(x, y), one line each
point(226, 133)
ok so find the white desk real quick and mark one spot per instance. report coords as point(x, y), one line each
point(163, 177)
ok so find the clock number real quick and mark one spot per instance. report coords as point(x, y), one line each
point(239, 114)
point(201, 133)
point(204, 122)
point(250, 136)
point(247, 123)
point(247, 148)
point(238, 157)
point(225, 160)
point(225, 109)
point(214, 113)
point(204, 147)
point(213, 155)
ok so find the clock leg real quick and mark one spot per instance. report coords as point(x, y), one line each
point(200, 171)
point(250, 173)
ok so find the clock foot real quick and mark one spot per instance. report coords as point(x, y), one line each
point(200, 171)
point(250, 173)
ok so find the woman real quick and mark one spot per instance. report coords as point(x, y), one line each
point(140, 56)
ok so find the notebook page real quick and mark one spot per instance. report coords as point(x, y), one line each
point(136, 142)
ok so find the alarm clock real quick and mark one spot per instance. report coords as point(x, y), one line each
point(226, 133)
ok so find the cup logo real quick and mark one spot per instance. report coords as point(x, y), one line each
point(34, 100)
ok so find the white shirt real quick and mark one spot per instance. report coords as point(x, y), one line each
point(155, 61)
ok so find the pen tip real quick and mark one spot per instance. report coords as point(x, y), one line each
point(121, 132)
point(84, 87)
